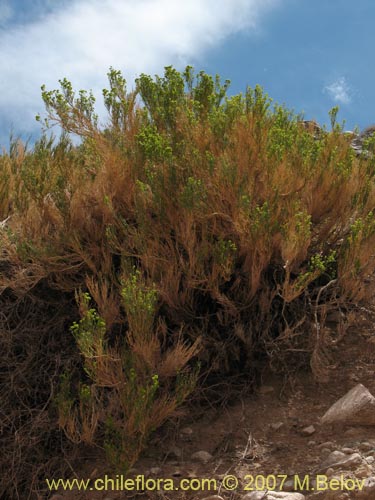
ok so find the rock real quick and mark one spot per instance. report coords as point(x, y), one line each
point(348, 451)
point(326, 451)
point(155, 470)
point(273, 495)
point(327, 444)
point(174, 453)
point(368, 490)
point(357, 407)
point(339, 459)
point(308, 431)
point(353, 459)
point(358, 142)
point(201, 456)
point(289, 485)
point(276, 426)
point(365, 446)
point(312, 127)
point(187, 431)
point(334, 458)
point(363, 471)
point(254, 495)
point(370, 460)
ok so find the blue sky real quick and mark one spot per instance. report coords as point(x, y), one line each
point(308, 55)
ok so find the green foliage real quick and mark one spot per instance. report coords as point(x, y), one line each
point(282, 133)
point(318, 265)
point(126, 375)
point(257, 103)
point(193, 194)
point(74, 114)
point(140, 303)
point(121, 447)
point(153, 145)
point(362, 228)
point(333, 115)
point(162, 97)
point(119, 105)
point(260, 219)
point(89, 334)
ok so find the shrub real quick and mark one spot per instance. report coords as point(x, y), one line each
point(191, 219)
point(133, 378)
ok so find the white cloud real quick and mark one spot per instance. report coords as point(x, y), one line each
point(339, 91)
point(83, 39)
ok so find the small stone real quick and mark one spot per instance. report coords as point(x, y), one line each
point(330, 472)
point(370, 459)
point(368, 488)
point(353, 459)
point(351, 432)
point(276, 426)
point(363, 471)
point(155, 470)
point(334, 458)
point(339, 459)
point(201, 456)
point(327, 444)
point(288, 485)
point(273, 495)
point(187, 431)
point(325, 451)
point(347, 451)
point(365, 446)
point(311, 443)
point(357, 407)
point(308, 431)
point(255, 495)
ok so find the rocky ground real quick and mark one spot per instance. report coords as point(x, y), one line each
point(276, 435)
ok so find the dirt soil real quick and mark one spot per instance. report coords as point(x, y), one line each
point(258, 435)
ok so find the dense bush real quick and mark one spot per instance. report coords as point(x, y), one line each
point(192, 233)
